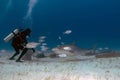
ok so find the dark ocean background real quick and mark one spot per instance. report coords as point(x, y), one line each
point(91, 21)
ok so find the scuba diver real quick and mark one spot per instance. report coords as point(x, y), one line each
point(19, 42)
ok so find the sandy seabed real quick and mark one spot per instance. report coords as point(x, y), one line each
point(61, 69)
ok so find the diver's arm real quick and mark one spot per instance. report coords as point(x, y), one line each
point(25, 42)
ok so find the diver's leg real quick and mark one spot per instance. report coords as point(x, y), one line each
point(22, 54)
point(16, 53)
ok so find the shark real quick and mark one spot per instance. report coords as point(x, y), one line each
point(72, 49)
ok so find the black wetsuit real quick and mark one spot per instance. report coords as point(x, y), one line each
point(18, 43)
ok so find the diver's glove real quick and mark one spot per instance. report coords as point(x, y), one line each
point(33, 50)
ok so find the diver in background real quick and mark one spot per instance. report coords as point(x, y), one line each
point(19, 42)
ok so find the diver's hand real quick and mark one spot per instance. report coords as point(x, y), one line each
point(33, 50)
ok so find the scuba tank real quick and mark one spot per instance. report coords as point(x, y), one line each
point(11, 35)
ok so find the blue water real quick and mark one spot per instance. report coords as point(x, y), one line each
point(91, 21)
